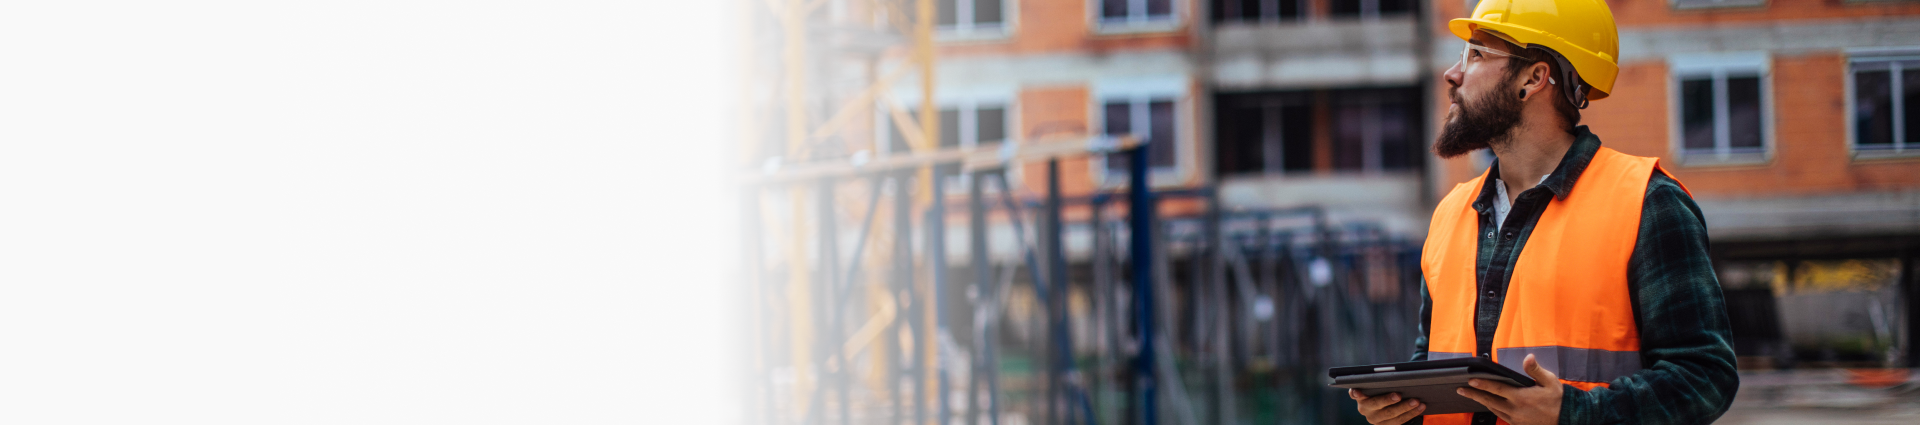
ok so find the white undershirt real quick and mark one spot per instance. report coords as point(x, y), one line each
point(1500, 205)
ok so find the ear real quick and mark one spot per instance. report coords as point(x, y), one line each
point(1534, 82)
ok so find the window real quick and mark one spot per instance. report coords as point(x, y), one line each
point(1722, 105)
point(1150, 118)
point(1134, 12)
point(1258, 10)
point(1373, 131)
point(1370, 8)
point(965, 18)
point(1265, 133)
point(962, 125)
point(972, 14)
point(1153, 108)
point(1886, 94)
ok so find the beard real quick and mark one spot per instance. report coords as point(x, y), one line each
point(1478, 124)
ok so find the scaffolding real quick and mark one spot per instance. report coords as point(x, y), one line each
point(1219, 317)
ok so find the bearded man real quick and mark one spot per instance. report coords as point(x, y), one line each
point(1595, 279)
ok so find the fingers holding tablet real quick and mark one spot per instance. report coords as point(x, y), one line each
point(1387, 409)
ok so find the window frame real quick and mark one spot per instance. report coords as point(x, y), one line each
point(1137, 20)
point(965, 29)
point(1893, 57)
point(968, 104)
point(1140, 93)
point(1719, 67)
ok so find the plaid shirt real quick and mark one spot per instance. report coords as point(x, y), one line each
point(1685, 340)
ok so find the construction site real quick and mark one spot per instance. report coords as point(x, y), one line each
point(1186, 211)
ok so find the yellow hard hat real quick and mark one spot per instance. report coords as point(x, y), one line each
point(1581, 31)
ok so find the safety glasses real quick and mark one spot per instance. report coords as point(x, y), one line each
point(1467, 53)
point(1484, 50)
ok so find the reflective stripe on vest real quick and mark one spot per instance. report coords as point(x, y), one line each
point(1567, 302)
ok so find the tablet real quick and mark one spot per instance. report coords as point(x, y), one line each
point(1432, 382)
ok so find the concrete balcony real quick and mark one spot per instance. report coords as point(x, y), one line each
point(1291, 55)
point(1868, 213)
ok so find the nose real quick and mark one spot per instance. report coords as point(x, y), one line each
point(1454, 74)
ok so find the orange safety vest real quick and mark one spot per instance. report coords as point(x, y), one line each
point(1567, 303)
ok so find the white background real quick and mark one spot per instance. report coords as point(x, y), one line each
point(366, 212)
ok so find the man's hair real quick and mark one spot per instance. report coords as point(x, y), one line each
point(1523, 58)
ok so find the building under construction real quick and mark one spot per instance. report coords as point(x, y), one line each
point(1184, 211)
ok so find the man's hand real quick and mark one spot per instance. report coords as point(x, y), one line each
point(1535, 405)
point(1387, 409)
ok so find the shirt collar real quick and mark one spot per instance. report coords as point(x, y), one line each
point(1561, 181)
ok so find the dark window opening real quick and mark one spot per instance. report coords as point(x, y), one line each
point(949, 139)
point(1258, 10)
point(1743, 112)
point(946, 15)
point(1371, 130)
point(987, 12)
point(1122, 11)
point(1369, 8)
point(1153, 120)
point(1113, 9)
point(1885, 113)
point(1373, 135)
point(1159, 7)
point(1344, 8)
point(964, 15)
point(1696, 106)
point(992, 123)
point(1873, 108)
point(1722, 114)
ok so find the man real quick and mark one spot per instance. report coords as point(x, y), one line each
point(1580, 266)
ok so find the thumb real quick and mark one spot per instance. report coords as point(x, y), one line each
point(1541, 375)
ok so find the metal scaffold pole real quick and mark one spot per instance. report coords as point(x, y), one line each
point(984, 366)
point(1222, 317)
point(1056, 270)
point(903, 286)
point(937, 260)
point(1140, 230)
point(930, 124)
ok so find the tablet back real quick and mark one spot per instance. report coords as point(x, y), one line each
point(1433, 387)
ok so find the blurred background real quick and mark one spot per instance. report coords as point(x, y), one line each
point(369, 212)
point(1185, 211)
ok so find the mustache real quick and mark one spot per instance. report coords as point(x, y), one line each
point(1453, 95)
